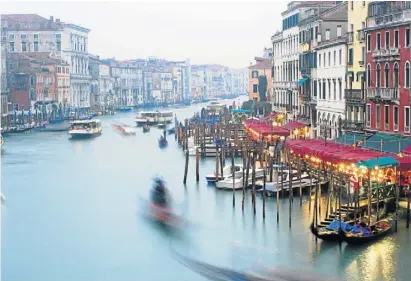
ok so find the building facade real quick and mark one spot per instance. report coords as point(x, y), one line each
point(388, 60)
point(261, 68)
point(73, 42)
point(355, 87)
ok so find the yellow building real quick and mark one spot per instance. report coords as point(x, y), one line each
point(354, 93)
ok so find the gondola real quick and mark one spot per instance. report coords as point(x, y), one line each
point(146, 129)
point(171, 131)
point(378, 230)
point(125, 109)
point(327, 235)
point(162, 142)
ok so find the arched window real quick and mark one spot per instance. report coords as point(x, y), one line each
point(378, 78)
point(387, 75)
point(368, 76)
point(407, 74)
point(396, 75)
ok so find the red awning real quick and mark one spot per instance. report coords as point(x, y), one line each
point(265, 129)
point(294, 125)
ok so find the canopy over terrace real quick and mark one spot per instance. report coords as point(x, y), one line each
point(337, 153)
point(258, 130)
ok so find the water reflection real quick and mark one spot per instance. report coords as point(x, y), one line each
point(376, 262)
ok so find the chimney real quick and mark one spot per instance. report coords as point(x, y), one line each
point(57, 20)
point(51, 18)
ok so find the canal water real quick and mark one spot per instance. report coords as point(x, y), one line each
point(73, 212)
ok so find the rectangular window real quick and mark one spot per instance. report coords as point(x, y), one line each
point(368, 114)
point(368, 42)
point(340, 57)
point(36, 46)
point(378, 41)
point(387, 40)
point(335, 89)
point(338, 30)
point(11, 37)
point(407, 37)
point(386, 115)
point(24, 46)
point(396, 118)
point(352, 5)
point(362, 55)
point(255, 88)
point(58, 46)
point(378, 115)
point(340, 92)
point(11, 47)
point(254, 74)
point(407, 118)
point(35, 36)
point(350, 56)
point(58, 36)
point(327, 34)
point(329, 58)
point(335, 57)
point(319, 60)
point(396, 39)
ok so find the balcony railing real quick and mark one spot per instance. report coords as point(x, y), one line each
point(350, 36)
point(386, 52)
point(388, 14)
point(353, 125)
point(383, 94)
point(354, 96)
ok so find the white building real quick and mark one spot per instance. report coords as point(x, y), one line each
point(73, 42)
point(331, 71)
point(105, 85)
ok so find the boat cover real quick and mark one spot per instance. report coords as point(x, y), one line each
point(335, 225)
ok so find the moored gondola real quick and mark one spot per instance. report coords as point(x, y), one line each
point(362, 235)
point(171, 131)
point(325, 234)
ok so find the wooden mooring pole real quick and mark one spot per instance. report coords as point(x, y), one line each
point(264, 181)
point(197, 165)
point(186, 168)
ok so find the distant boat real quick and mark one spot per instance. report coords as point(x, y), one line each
point(85, 128)
point(125, 109)
point(162, 142)
point(146, 128)
point(124, 129)
point(171, 131)
point(15, 130)
point(161, 126)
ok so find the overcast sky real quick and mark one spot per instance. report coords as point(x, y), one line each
point(207, 32)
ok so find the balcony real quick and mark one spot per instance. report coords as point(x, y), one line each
point(383, 94)
point(350, 36)
point(354, 97)
point(385, 53)
point(356, 125)
point(387, 13)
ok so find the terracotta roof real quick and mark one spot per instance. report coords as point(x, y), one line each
point(38, 57)
point(261, 63)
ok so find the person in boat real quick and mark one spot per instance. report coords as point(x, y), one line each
point(159, 193)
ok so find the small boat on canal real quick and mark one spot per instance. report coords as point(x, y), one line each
point(124, 129)
point(125, 109)
point(16, 130)
point(360, 235)
point(227, 171)
point(161, 126)
point(162, 141)
point(331, 233)
point(154, 118)
point(146, 128)
point(171, 131)
point(85, 128)
point(228, 181)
